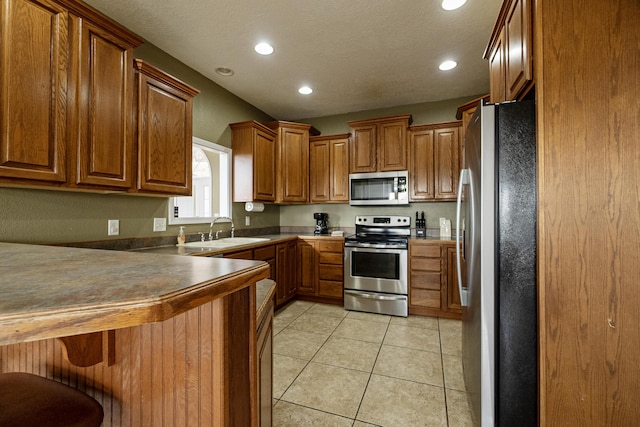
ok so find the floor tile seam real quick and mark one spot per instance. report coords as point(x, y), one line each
point(370, 374)
point(412, 381)
point(416, 327)
point(444, 382)
point(319, 410)
point(409, 348)
point(294, 379)
point(340, 366)
point(300, 330)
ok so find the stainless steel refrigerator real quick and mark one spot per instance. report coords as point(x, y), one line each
point(496, 214)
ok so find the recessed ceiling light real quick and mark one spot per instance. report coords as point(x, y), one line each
point(305, 90)
point(224, 71)
point(448, 65)
point(452, 4)
point(264, 48)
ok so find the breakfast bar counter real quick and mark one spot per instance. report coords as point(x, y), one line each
point(154, 338)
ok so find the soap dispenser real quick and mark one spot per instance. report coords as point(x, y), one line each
point(181, 237)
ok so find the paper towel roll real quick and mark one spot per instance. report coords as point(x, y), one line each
point(253, 207)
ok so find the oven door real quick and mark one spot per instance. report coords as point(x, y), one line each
point(376, 270)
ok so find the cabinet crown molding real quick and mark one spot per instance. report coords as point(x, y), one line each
point(407, 117)
point(165, 78)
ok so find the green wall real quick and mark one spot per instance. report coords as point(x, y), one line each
point(51, 216)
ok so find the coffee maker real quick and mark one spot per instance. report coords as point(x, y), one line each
point(322, 223)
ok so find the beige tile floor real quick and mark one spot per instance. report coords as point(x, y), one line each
point(334, 367)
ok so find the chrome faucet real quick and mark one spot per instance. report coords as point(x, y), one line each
point(227, 219)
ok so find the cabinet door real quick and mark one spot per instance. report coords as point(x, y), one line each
point(421, 168)
point(104, 132)
point(164, 133)
point(307, 266)
point(453, 293)
point(264, 160)
point(518, 48)
point(293, 169)
point(497, 71)
point(392, 146)
point(339, 170)
point(291, 263)
point(34, 66)
point(320, 171)
point(447, 163)
point(362, 149)
point(285, 271)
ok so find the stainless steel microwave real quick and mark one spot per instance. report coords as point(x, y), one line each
point(379, 188)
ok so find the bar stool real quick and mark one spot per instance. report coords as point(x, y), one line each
point(31, 400)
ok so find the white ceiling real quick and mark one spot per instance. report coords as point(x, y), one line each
point(356, 54)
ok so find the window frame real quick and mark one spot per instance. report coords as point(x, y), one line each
point(225, 172)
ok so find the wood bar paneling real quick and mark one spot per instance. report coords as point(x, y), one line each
point(587, 67)
point(170, 373)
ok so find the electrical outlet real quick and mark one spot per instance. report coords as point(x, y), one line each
point(113, 227)
point(159, 224)
point(247, 220)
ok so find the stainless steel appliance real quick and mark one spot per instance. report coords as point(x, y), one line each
point(498, 197)
point(379, 188)
point(375, 265)
point(322, 223)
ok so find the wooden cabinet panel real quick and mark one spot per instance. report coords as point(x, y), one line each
point(292, 161)
point(434, 163)
point(254, 158)
point(497, 71)
point(425, 298)
point(307, 266)
point(164, 131)
point(362, 151)
point(424, 250)
point(426, 264)
point(319, 171)
point(335, 246)
point(330, 258)
point(464, 113)
point(330, 272)
point(332, 289)
point(245, 254)
point(34, 64)
point(423, 280)
point(446, 163)
point(518, 67)
point(392, 146)
point(104, 98)
point(421, 171)
point(453, 293)
point(379, 144)
point(285, 272)
point(329, 169)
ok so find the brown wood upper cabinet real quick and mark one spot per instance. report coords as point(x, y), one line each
point(329, 169)
point(164, 112)
point(292, 161)
point(464, 113)
point(67, 96)
point(379, 145)
point(254, 160)
point(434, 161)
point(510, 52)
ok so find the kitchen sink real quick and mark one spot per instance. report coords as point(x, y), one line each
point(226, 242)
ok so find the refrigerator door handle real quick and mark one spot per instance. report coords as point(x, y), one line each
point(464, 180)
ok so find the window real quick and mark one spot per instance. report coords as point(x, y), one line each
point(211, 186)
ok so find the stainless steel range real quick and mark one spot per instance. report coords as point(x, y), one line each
point(376, 264)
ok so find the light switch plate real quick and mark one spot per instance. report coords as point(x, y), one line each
point(247, 220)
point(113, 227)
point(159, 224)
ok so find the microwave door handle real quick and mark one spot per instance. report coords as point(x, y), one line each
point(464, 180)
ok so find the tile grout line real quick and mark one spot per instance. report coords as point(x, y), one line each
point(444, 384)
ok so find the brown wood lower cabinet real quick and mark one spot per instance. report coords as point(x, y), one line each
point(320, 269)
point(285, 272)
point(433, 288)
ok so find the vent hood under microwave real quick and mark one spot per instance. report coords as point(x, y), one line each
point(379, 188)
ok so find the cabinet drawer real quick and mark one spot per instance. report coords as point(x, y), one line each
point(248, 254)
point(330, 272)
point(425, 280)
point(264, 253)
point(425, 298)
point(330, 288)
point(330, 258)
point(425, 264)
point(432, 251)
point(330, 245)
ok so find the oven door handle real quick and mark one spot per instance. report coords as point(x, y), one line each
point(377, 296)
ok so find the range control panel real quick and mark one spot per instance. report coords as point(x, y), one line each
point(383, 220)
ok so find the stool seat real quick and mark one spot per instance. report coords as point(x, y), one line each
point(31, 400)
